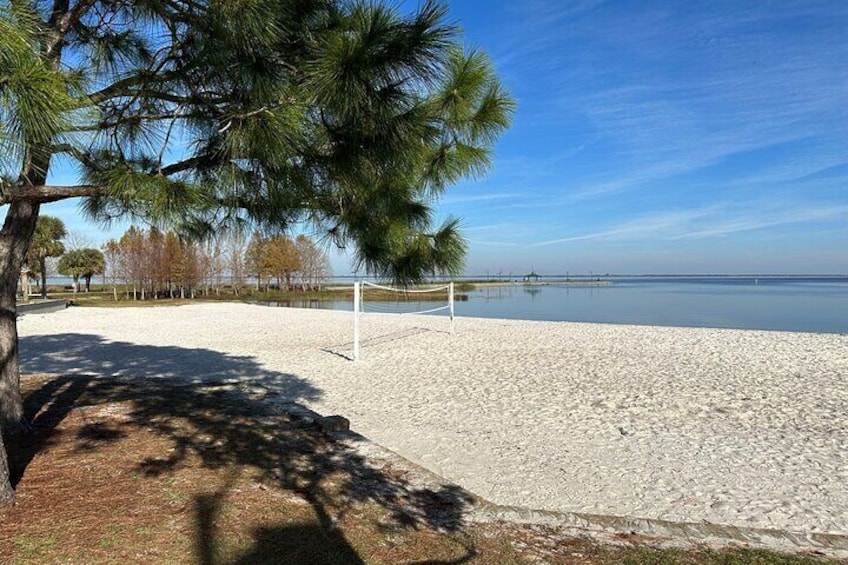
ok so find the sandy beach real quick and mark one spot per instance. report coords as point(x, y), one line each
point(736, 427)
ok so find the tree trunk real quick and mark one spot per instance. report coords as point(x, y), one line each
point(15, 238)
point(25, 285)
point(7, 493)
point(43, 265)
point(88, 283)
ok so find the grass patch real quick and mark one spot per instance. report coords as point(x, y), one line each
point(284, 298)
point(34, 547)
point(143, 472)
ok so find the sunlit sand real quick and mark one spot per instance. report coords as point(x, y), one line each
point(734, 427)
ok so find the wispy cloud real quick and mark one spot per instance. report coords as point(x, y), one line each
point(489, 227)
point(672, 89)
point(496, 243)
point(771, 218)
point(669, 126)
point(449, 200)
point(708, 222)
point(654, 224)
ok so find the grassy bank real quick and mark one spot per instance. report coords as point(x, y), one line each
point(147, 472)
point(100, 297)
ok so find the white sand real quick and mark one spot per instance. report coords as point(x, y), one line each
point(736, 427)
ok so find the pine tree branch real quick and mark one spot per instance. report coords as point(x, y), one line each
point(182, 166)
point(62, 19)
point(42, 194)
point(125, 86)
point(74, 152)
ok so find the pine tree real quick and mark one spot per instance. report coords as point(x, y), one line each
point(220, 114)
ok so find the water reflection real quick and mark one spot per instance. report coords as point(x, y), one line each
point(318, 304)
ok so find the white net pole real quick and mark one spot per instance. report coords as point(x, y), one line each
point(356, 306)
point(450, 300)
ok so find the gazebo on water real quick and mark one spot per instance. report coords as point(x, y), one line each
point(532, 276)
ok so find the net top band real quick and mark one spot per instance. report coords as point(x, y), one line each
point(411, 291)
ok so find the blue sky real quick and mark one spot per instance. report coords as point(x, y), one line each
point(657, 137)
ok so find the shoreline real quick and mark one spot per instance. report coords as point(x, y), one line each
point(676, 424)
point(489, 284)
point(168, 303)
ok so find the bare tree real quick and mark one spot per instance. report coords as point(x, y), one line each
point(234, 253)
point(314, 263)
point(76, 239)
point(113, 270)
point(215, 264)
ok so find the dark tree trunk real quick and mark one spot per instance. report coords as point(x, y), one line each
point(7, 493)
point(25, 285)
point(88, 283)
point(15, 239)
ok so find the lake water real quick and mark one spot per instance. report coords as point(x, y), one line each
point(811, 305)
point(807, 304)
point(789, 304)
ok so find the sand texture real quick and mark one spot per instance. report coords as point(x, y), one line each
point(736, 427)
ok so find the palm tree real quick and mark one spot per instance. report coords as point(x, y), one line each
point(46, 242)
point(83, 263)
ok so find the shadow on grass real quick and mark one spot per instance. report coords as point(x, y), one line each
point(184, 395)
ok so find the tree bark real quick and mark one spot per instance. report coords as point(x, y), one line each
point(25, 285)
point(42, 194)
point(15, 238)
point(7, 493)
point(43, 265)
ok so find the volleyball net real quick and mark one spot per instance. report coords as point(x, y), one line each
point(408, 301)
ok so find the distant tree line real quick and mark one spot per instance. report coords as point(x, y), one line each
point(156, 264)
point(150, 264)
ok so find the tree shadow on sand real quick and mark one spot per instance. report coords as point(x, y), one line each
point(210, 407)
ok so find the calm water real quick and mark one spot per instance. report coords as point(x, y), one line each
point(811, 305)
point(795, 304)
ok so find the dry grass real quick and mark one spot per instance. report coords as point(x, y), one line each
point(136, 472)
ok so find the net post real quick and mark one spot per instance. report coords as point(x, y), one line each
point(450, 301)
point(356, 320)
